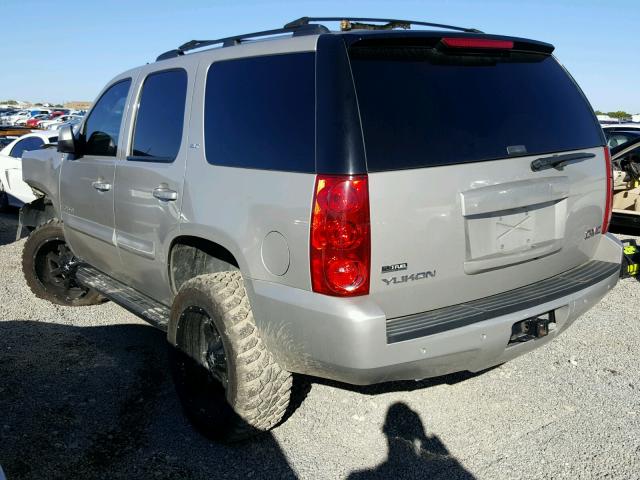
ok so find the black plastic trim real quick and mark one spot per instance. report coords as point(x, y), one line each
point(143, 158)
point(339, 141)
point(464, 314)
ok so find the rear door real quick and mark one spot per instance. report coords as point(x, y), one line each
point(86, 182)
point(459, 210)
point(149, 182)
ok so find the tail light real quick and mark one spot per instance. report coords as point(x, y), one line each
point(608, 201)
point(340, 236)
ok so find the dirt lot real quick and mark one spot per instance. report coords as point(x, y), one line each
point(84, 393)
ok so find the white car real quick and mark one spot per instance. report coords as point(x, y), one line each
point(16, 116)
point(58, 120)
point(13, 191)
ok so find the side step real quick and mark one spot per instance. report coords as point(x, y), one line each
point(137, 303)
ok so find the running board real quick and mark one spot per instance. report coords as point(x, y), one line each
point(137, 303)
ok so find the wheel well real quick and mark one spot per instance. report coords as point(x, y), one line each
point(36, 213)
point(193, 256)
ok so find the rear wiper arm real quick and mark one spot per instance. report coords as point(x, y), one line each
point(559, 161)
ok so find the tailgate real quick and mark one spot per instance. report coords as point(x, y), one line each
point(450, 234)
point(467, 197)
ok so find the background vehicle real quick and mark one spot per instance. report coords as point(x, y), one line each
point(620, 134)
point(44, 124)
point(13, 190)
point(15, 116)
point(625, 158)
point(74, 123)
point(338, 204)
point(34, 121)
point(22, 119)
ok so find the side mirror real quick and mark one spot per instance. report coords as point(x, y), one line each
point(67, 140)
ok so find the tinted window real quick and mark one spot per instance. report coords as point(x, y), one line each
point(158, 130)
point(420, 108)
point(102, 128)
point(259, 113)
point(25, 145)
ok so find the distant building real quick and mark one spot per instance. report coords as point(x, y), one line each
point(635, 118)
point(78, 105)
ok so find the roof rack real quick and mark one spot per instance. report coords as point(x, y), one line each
point(351, 23)
point(296, 30)
point(303, 26)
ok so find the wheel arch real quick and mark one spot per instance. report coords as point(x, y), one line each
point(190, 256)
point(37, 213)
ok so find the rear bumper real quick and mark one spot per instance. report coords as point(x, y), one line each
point(349, 339)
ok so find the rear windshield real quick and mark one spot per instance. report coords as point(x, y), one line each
point(420, 108)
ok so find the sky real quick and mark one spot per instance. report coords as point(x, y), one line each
point(65, 51)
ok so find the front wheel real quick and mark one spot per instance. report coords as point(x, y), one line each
point(48, 267)
point(229, 384)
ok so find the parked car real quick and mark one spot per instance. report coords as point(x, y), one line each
point(74, 123)
point(625, 158)
point(34, 121)
point(44, 124)
point(14, 117)
point(621, 134)
point(364, 205)
point(13, 191)
point(22, 120)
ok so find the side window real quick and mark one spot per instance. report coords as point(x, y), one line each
point(159, 122)
point(30, 143)
point(102, 128)
point(260, 113)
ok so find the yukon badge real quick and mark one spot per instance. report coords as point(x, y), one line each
point(409, 278)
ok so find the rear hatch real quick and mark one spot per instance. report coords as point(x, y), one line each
point(461, 208)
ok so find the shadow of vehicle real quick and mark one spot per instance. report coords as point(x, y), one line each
point(98, 402)
point(8, 226)
point(412, 454)
point(401, 385)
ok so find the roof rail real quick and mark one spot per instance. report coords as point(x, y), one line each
point(296, 30)
point(350, 23)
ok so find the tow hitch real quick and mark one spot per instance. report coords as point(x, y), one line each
point(532, 328)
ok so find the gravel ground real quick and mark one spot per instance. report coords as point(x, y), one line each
point(84, 393)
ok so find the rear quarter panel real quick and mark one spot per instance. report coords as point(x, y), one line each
point(239, 208)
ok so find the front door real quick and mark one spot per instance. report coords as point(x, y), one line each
point(148, 185)
point(87, 181)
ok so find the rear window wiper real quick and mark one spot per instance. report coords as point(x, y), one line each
point(559, 161)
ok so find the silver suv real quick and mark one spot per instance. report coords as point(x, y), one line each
point(364, 205)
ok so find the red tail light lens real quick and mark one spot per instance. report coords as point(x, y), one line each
point(608, 202)
point(340, 236)
point(478, 43)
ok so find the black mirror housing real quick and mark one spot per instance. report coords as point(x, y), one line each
point(66, 140)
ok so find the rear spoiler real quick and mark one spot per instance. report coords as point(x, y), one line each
point(448, 41)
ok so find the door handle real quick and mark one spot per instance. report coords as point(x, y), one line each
point(101, 186)
point(165, 194)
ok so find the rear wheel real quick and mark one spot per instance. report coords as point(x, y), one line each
point(229, 384)
point(49, 268)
